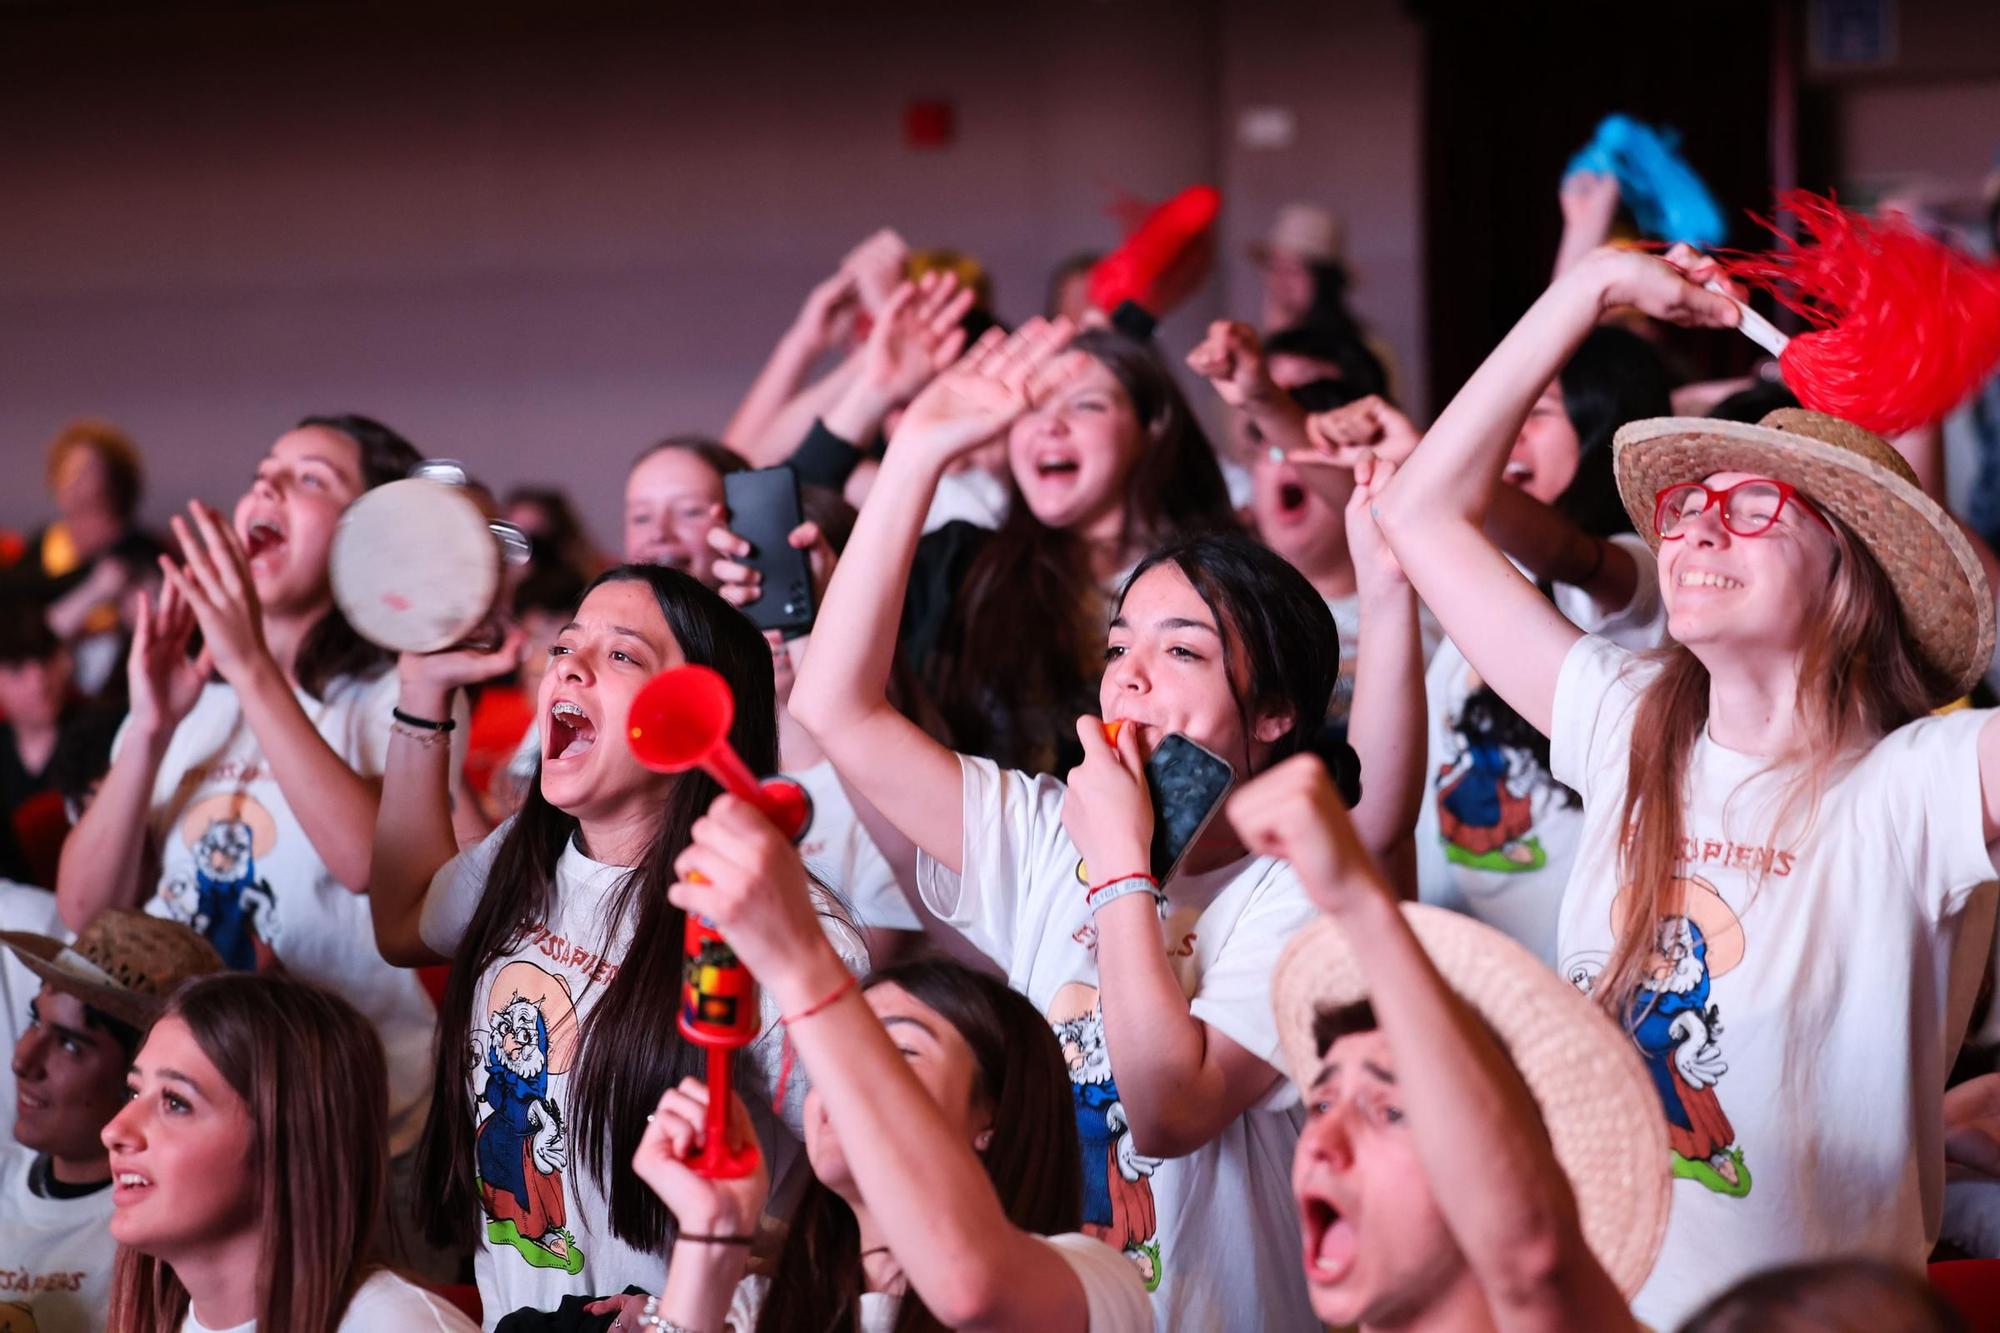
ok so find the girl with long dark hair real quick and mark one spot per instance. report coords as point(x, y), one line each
point(940, 1129)
point(558, 1024)
point(1170, 1050)
point(1781, 854)
point(244, 784)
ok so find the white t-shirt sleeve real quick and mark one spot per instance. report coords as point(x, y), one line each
point(1927, 777)
point(1234, 993)
point(1011, 823)
point(455, 891)
point(1639, 624)
point(388, 1301)
point(1113, 1291)
point(1595, 699)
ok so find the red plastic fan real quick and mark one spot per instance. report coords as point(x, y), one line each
point(1904, 328)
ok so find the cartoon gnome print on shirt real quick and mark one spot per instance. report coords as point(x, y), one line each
point(223, 896)
point(1678, 1029)
point(1488, 788)
point(1117, 1187)
point(521, 1144)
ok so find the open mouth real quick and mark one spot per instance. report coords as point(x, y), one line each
point(262, 537)
point(1517, 474)
point(571, 732)
point(1056, 465)
point(1291, 499)
point(1330, 1241)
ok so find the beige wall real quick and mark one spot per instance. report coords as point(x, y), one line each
point(537, 243)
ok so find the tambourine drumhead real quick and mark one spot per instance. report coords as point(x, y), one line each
point(414, 566)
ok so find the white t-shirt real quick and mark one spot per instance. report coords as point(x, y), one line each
point(546, 1223)
point(1347, 620)
point(1495, 835)
point(1215, 1233)
point(32, 911)
point(236, 865)
point(970, 495)
point(1113, 1292)
point(383, 1302)
point(55, 1254)
point(838, 850)
point(1801, 1040)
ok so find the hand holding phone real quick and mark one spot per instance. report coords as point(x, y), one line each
point(764, 508)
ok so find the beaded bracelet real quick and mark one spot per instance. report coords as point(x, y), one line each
point(425, 738)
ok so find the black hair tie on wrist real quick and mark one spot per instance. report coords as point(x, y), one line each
point(423, 723)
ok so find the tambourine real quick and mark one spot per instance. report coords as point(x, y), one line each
point(416, 564)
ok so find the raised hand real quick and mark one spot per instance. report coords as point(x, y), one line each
point(674, 1136)
point(1589, 202)
point(827, 316)
point(1365, 428)
point(1231, 358)
point(164, 681)
point(746, 877)
point(742, 584)
point(917, 334)
point(217, 584)
point(1291, 811)
point(1375, 565)
point(1108, 809)
point(426, 680)
point(987, 389)
point(1669, 289)
point(877, 265)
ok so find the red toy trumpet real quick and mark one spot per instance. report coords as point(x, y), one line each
point(680, 720)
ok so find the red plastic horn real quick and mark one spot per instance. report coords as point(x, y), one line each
point(1165, 257)
point(680, 720)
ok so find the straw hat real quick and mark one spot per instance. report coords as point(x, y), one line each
point(125, 963)
point(1846, 471)
point(1304, 231)
point(1600, 1108)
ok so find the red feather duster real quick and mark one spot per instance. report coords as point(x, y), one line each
point(1904, 328)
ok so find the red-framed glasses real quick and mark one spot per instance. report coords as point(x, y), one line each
point(1748, 509)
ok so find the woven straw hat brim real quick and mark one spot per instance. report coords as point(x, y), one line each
point(1603, 1116)
point(40, 954)
point(1946, 601)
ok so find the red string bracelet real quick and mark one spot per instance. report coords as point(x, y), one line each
point(1096, 889)
point(785, 1063)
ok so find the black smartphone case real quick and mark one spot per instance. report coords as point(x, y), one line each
point(763, 509)
point(1188, 784)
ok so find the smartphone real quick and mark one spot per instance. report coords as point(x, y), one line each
point(763, 508)
point(1188, 784)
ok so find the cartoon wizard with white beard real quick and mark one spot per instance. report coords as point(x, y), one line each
point(1117, 1189)
point(520, 1149)
point(223, 896)
point(1678, 1029)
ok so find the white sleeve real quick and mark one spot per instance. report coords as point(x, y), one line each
point(1595, 699)
point(746, 1303)
point(388, 1301)
point(1642, 622)
point(1234, 993)
point(1113, 1291)
point(455, 891)
point(1926, 775)
point(1012, 821)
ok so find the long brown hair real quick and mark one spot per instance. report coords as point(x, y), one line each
point(1032, 1159)
point(1859, 679)
point(1010, 694)
point(309, 1069)
point(630, 1044)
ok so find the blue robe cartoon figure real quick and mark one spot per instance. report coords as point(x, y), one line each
point(1676, 1028)
point(520, 1144)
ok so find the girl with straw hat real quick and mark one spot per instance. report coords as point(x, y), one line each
point(1767, 791)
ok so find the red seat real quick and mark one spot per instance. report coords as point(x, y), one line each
point(1973, 1288)
point(40, 825)
point(464, 1295)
